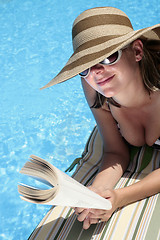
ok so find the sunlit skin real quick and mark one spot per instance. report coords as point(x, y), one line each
point(138, 119)
point(120, 80)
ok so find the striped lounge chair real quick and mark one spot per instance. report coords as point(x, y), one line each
point(140, 220)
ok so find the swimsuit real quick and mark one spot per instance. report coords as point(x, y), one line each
point(156, 145)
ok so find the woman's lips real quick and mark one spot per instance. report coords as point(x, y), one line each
point(104, 81)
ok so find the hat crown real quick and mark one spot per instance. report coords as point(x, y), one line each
point(99, 22)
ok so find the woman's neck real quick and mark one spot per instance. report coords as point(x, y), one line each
point(134, 97)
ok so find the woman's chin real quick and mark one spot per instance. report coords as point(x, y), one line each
point(108, 94)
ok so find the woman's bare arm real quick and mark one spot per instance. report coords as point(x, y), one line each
point(148, 186)
point(116, 156)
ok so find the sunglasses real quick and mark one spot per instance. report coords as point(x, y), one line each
point(112, 59)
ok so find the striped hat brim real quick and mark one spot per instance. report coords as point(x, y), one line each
point(97, 36)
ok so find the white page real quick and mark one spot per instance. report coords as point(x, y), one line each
point(74, 194)
point(69, 192)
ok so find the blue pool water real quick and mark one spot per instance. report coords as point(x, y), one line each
point(35, 42)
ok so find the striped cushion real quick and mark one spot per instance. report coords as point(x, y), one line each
point(140, 220)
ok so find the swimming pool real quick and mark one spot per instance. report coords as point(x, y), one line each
point(54, 123)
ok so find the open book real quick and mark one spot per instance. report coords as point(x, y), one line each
point(64, 191)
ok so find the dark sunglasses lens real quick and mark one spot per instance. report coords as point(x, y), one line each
point(84, 73)
point(111, 59)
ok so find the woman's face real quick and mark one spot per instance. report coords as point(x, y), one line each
point(111, 80)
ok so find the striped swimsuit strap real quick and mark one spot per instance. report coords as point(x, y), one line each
point(156, 145)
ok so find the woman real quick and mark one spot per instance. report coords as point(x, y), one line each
point(120, 72)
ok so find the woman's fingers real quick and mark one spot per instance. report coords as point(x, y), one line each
point(97, 215)
point(93, 216)
point(97, 211)
point(78, 210)
point(83, 215)
point(86, 223)
point(94, 220)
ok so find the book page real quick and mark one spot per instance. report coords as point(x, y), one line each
point(66, 191)
point(74, 194)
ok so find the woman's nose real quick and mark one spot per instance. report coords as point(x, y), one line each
point(97, 69)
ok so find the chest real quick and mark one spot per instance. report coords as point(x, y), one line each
point(139, 126)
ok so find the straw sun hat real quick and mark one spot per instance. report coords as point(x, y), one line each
point(96, 34)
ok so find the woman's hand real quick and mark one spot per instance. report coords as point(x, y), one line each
point(92, 216)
